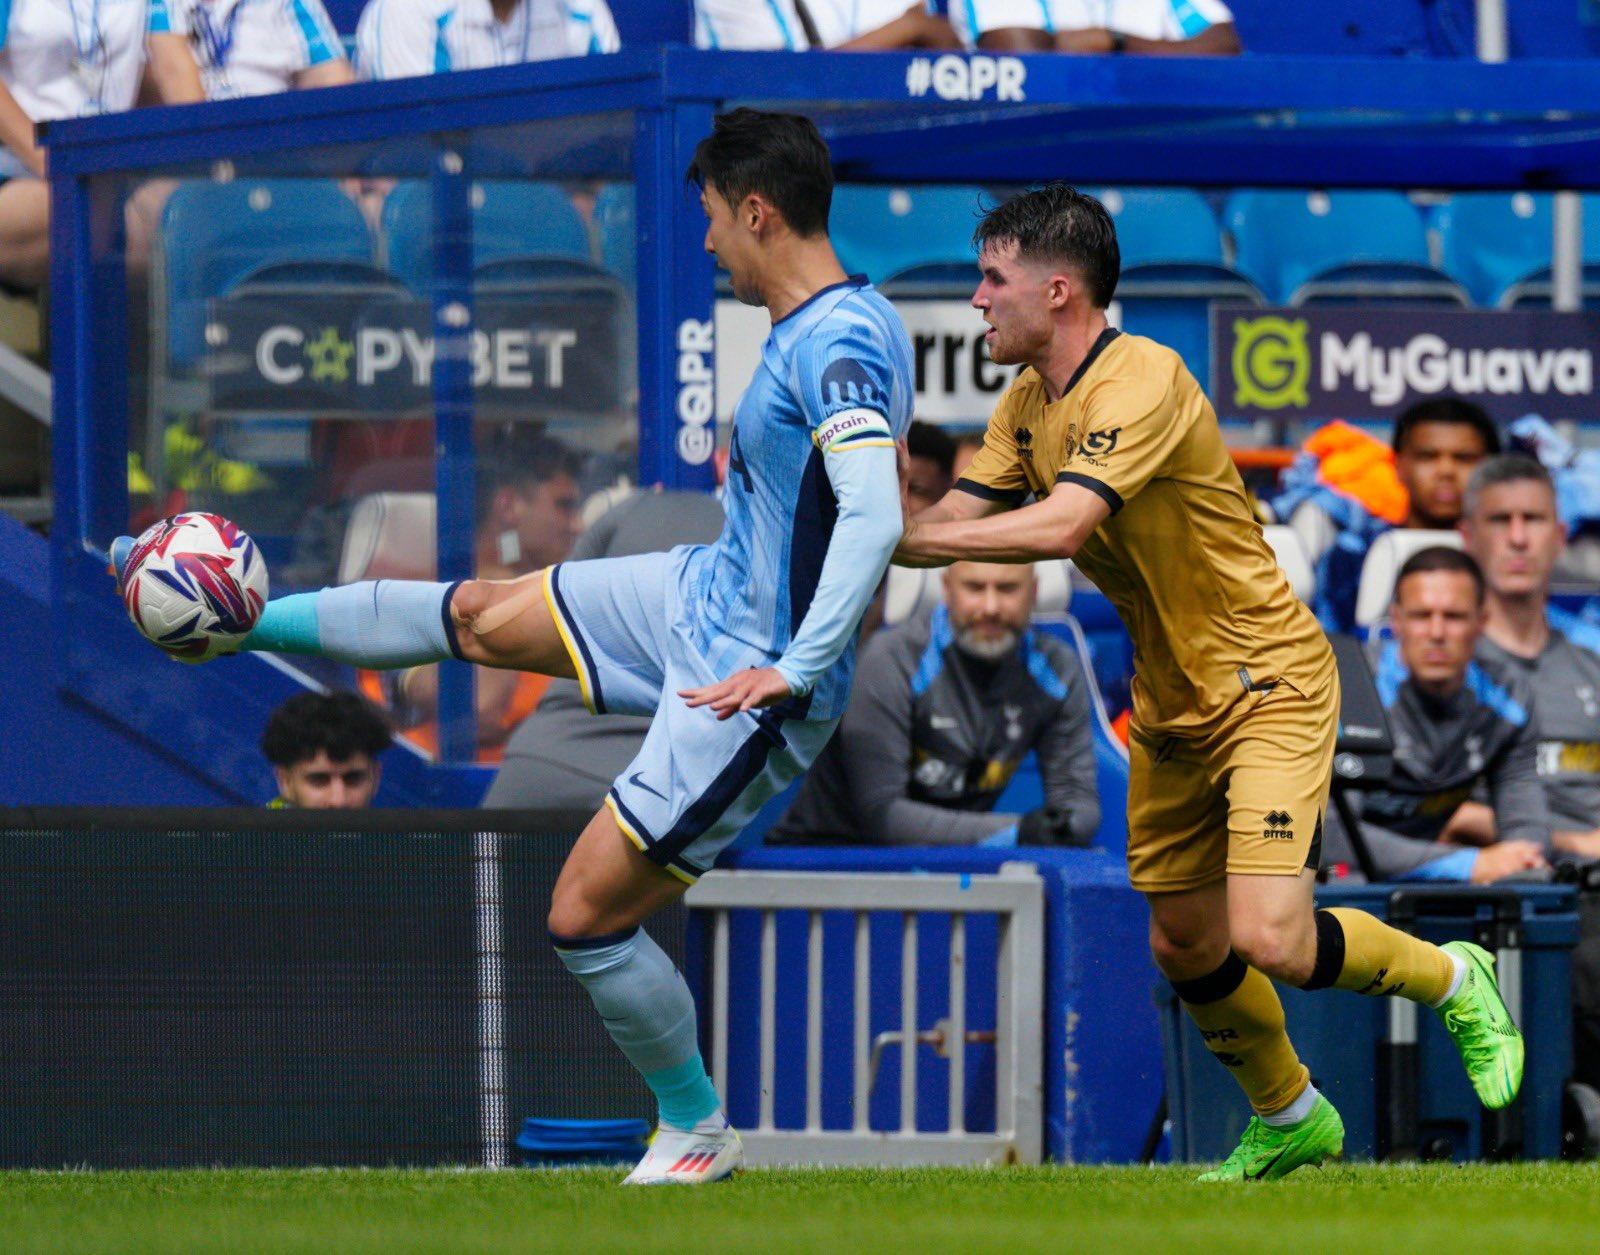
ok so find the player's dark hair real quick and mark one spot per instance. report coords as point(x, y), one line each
point(781, 156)
point(1447, 410)
point(342, 724)
point(924, 440)
point(1441, 558)
point(1058, 223)
point(519, 455)
point(1506, 468)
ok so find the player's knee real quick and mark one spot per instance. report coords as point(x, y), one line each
point(1186, 953)
point(473, 610)
point(571, 915)
point(1285, 952)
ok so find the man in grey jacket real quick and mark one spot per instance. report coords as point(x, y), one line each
point(1458, 724)
point(944, 710)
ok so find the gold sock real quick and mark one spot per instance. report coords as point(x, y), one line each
point(1373, 958)
point(1241, 1019)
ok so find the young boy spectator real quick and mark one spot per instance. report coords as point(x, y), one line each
point(944, 710)
point(405, 38)
point(1162, 28)
point(324, 750)
point(260, 47)
point(1457, 724)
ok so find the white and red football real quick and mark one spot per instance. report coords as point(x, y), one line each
point(194, 584)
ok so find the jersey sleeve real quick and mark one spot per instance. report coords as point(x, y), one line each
point(167, 17)
point(995, 472)
point(322, 41)
point(845, 386)
point(595, 31)
point(1130, 431)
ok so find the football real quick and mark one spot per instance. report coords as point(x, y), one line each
point(194, 584)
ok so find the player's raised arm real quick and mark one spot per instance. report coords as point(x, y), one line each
point(846, 390)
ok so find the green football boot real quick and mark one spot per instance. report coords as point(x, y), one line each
point(1478, 1022)
point(1267, 1152)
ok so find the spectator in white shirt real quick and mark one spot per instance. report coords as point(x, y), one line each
point(841, 25)
point(68, 59)
point(1177, 28)
point(259, 47)
point(404, 38)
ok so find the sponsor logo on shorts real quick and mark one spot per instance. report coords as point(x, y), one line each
point(1278, 828)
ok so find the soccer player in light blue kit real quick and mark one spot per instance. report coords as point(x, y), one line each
point(742, 650)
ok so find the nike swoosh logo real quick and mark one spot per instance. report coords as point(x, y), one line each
point(1265, 1168)
point(634, 779)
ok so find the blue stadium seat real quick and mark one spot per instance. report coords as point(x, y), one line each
point(215, 236)
point(1336, 248)
point(1498, 244)
point(1173, 269)
point(509, 219)
point(615, 220)
point(892, 232)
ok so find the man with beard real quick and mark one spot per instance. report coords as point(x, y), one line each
point(944, 710)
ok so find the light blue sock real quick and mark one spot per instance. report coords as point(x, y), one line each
point(649, 1012)
point(383, 623)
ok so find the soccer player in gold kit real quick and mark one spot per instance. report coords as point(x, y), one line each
point(1235, 695)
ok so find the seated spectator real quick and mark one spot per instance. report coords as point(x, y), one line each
point(932, 473)
point(260, 47)
point(839, 25)
point(405, 38)
point(528, 518)
point(52, 68)
point(1165, 28)
point(324, 750)
point(944, 710)
point(1511, 527)
point(1458, 724)
point(1435, 446)
point(561, 758)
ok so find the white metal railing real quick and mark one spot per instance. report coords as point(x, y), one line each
point(1015, 896)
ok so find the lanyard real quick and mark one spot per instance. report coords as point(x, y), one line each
point(217, 39)
point(526, 6)
point(86, 48)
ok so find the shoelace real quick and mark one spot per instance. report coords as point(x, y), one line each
point(1475, 1047)
point(1250, 1145)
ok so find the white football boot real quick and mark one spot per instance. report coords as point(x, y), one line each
point(708, 1152)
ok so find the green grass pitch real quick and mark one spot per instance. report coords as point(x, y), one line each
point(1352, 1210)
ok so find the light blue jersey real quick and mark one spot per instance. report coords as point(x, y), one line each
point(835, 377)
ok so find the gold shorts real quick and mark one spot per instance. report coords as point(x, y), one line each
point(1247, 797)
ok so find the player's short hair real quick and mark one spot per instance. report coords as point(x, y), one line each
point(1447, 410)
point(1058, 223)
point(781, 156)
point(1441, 558)
point(519, 455)
point(925, 440)
point(1505, 468)
point(341, 723)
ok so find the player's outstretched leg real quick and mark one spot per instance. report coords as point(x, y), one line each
point(384, 624)
point(1241, 1021)
point(604, 893)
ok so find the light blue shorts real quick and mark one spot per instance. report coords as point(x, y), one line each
point(696, 780)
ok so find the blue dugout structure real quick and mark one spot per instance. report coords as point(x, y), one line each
point(635, 117)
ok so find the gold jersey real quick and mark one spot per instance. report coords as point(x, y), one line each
point(1181, 556)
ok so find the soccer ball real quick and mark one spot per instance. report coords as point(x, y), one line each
point(194, 584)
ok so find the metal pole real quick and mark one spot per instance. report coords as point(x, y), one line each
point(491, 1003)
point(719, 1004)
point(1493, 44)
point(814, 1025)
point(769, 1010)
point(956, 1044)
point(1566, 252)
point(862, 1115)
point(908, 1024)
